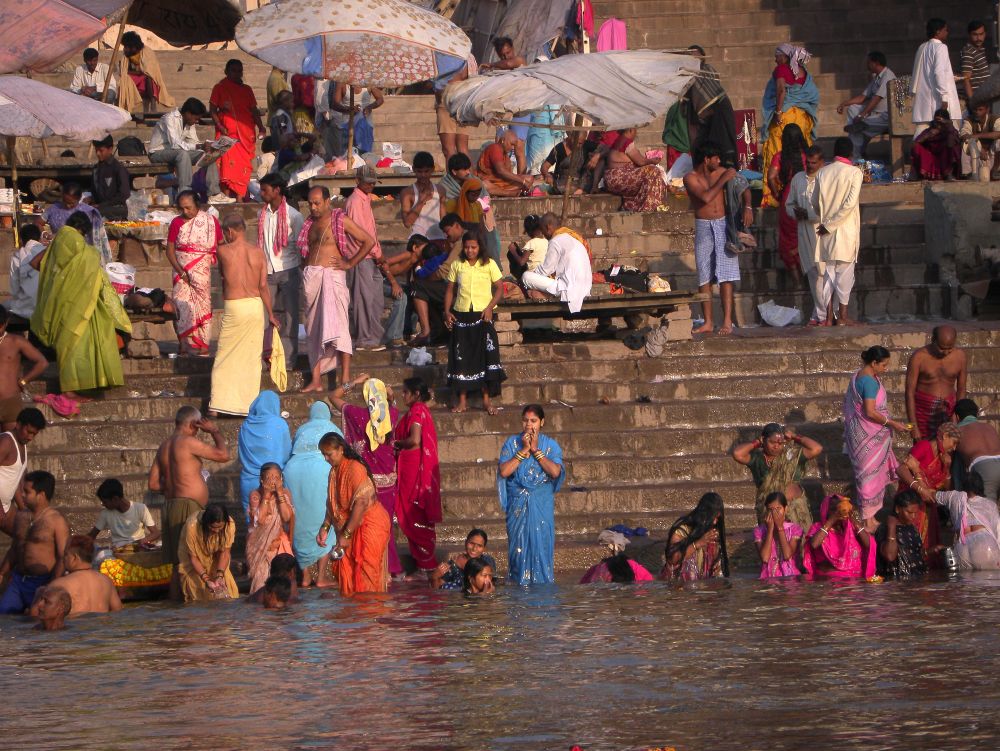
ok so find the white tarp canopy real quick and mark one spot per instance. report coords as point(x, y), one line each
point(615, 90)
point(37, 110)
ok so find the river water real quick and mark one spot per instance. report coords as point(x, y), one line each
point(731, 665)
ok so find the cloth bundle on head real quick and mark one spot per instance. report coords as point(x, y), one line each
point(616, 541)
point(797, 56)
point(379, 426)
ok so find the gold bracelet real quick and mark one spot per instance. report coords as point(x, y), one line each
point(345, 533)
point(538, 455)
point(520, 456)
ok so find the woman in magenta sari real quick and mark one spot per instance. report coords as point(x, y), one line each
point(192, 243)
point(936, 153)
point(839, 547)
point(367, 430)
point(419, 507)
point(868, 433)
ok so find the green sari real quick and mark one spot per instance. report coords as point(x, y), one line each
point(77, 312)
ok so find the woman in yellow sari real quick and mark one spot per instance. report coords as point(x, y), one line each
point(790, 97)
point(205, 552)
point(361, 524)
point(78, 311)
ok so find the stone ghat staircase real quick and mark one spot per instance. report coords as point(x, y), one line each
point(740, 36)
point(642, 458)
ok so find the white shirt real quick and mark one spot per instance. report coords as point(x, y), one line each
point(933, 83)
point(566, 258)
point(171, 133)
point(800, 196)
point(24, 279)
point(836, 201)
point(321, 100)
point(82, 77)
point(126, 528)
point(362, 99)
point(289, 258)
point(878, 87)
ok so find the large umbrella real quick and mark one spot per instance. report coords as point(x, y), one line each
point(361, 42)
point(37, 110)
point(37, 35)
point(613, 89)
point(184, 22)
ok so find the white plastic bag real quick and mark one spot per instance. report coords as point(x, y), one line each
point(419, 357)
point(392, 151)
point(121, 276)
point(778, 315)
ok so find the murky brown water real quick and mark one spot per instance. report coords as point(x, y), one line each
point(738, 665)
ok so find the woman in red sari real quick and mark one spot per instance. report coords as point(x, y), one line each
point(418, 504)
point(936, 153)
point(359, 521)
point(784, 166)
point(192, 243)
point(234, 109)
point(927, 470)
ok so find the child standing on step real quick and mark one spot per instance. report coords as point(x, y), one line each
point(473, 292)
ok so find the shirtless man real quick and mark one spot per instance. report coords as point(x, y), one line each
point(51, 607)
point(14, 461)
point(177, 474)
point(324, 280)
point(236, 370)
point(14, 350)
point(705, 184)
point(935, 380)
point(36, 556)
point(979, 446)
point(90, 591)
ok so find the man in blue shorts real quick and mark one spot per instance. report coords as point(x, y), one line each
point(705, 186)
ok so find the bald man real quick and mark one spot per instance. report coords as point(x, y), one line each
point(935, 380)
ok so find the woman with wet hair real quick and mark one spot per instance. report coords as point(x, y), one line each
point(696, 543)
point(205, 552)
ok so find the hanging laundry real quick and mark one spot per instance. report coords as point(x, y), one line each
point(612, 36)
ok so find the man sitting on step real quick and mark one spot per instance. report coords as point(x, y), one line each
point(566, 273)
point(175, 142)
point(868, 112)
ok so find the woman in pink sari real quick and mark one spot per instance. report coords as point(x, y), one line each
point(868, 433)
point(839, 547)
point(419, 507)
point(367, 430)
point(192, 243)
point(272, 524)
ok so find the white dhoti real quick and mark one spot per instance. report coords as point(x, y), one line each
point(838, 281)
point(327, 324)
point(546, 284)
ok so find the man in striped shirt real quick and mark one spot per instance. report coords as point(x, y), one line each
point(975, 66)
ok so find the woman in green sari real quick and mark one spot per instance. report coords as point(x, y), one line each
point(777, 461)
point(78, 311)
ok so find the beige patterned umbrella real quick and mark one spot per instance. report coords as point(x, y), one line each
point(362, 42)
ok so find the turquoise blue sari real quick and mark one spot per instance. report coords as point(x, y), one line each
point(307, 478)
point(527, 497)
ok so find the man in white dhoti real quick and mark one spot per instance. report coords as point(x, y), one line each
point(836, 202)
point(799, 206)
point(566, 272)
point(933, 84)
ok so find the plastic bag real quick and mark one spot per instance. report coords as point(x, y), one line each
point(778, 315)
point(121, 276)
point(392, 151)
point(419, 357)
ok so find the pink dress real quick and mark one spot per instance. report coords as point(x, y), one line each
point(776, 566)
point(600, 573)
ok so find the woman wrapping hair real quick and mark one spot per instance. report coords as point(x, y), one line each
point(839, 547)
point(358, 520)
point(696, 543)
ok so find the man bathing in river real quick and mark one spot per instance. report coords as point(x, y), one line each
point(90, 591)
point(935, 380)
point(324, 279)
point(979, 446)
point(14, 461)
point(15, 350)
point(177, 474)
point(705, 186)
point(51, 607)
point(36, 556)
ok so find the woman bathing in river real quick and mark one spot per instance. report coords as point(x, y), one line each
point(696, 544)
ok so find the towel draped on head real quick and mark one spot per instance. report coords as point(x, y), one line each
point(379, 423)
point(797, 57)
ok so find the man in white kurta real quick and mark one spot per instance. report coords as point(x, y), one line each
point(836, 201)
point(933, 83)
point(565, 273)
point(799, 206)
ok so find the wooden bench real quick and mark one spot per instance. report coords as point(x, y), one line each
point(337, 184)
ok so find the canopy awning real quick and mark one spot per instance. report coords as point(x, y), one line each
point(621, 89)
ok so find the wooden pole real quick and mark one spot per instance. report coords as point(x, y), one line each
point(11, 154)
point(350, 130)
point(114, 55)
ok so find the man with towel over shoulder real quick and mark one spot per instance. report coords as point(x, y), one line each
point(236, 372)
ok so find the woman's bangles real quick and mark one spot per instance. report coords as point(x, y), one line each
point(522, 455)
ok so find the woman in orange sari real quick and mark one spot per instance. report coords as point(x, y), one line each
point(927, 470)
point(462, 193)
point(361, 524)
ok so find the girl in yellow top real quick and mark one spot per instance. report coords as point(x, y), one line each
point(474, 290)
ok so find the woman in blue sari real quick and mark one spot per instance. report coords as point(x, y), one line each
point(529, 474)
point(263, 438)
point(307, 477)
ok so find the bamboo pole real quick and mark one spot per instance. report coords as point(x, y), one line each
point(114, 55)
point(11, 144)
point(350, 130)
